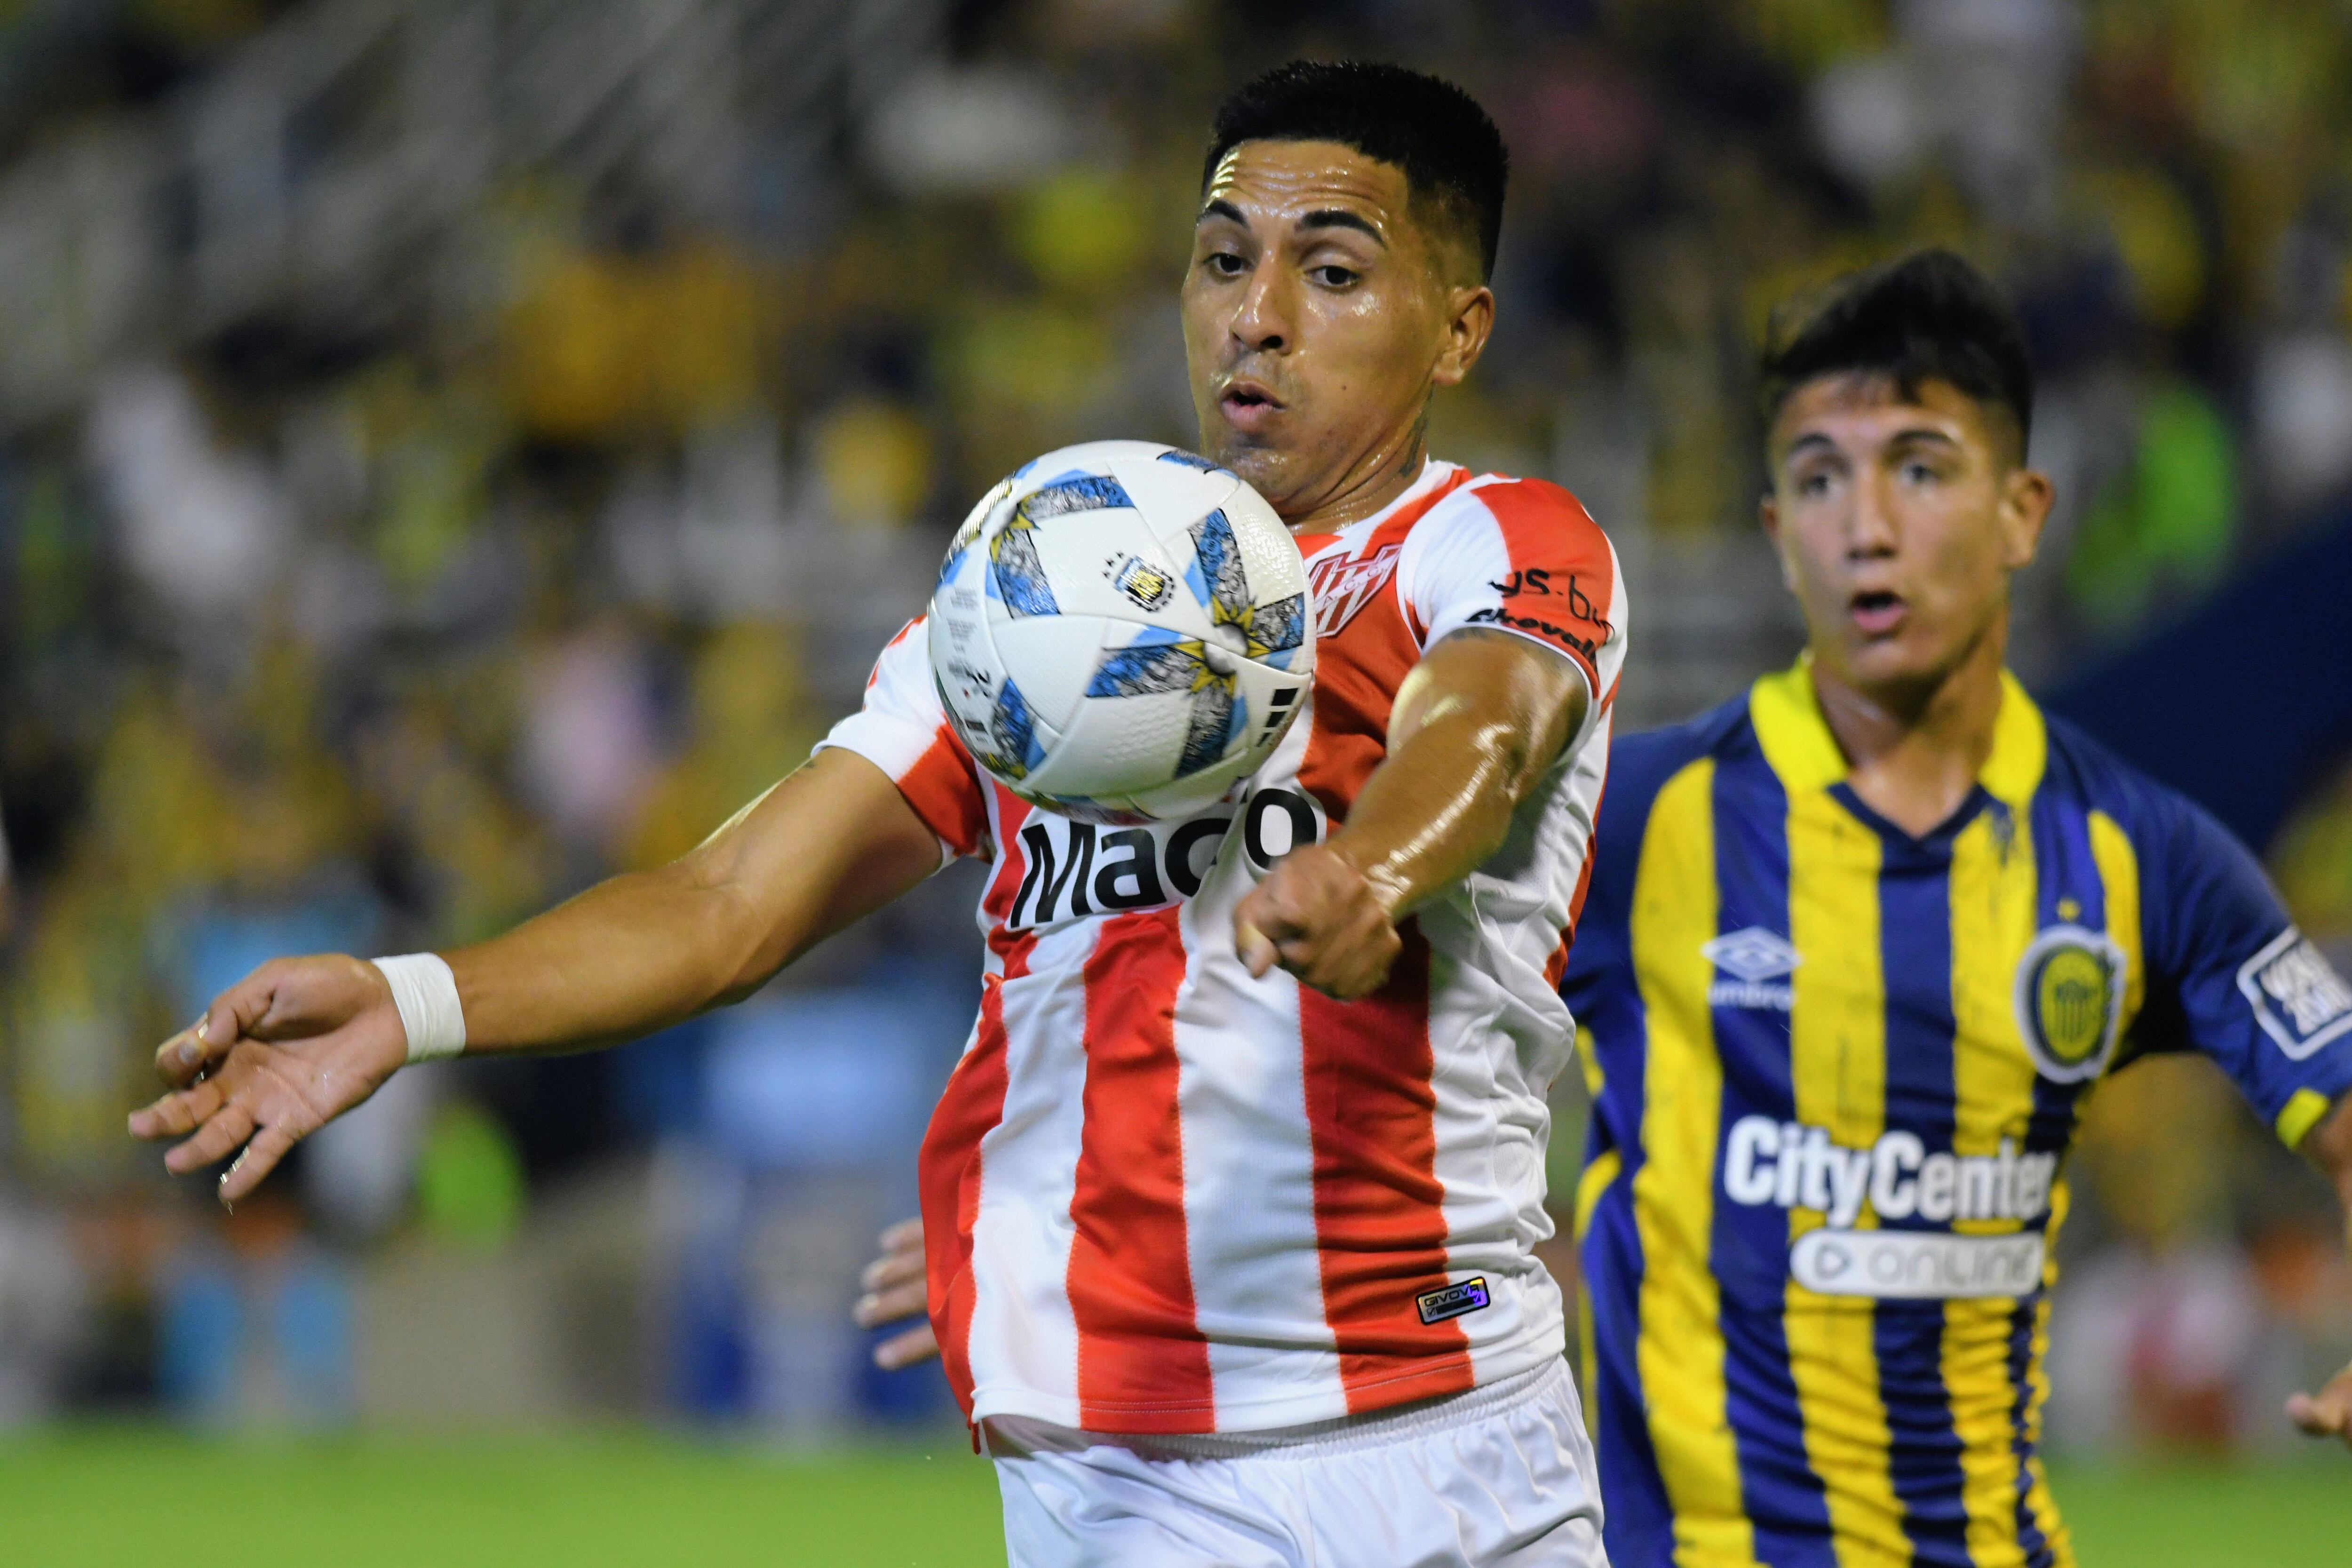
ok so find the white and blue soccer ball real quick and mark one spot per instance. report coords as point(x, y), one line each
point(1122, 631)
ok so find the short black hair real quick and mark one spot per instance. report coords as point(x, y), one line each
point(1451, 153)
point(1928, 316)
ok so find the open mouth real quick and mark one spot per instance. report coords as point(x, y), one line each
point(1248, 406)
point(1876, 612)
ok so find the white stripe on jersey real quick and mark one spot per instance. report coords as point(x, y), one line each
point(1249, 1168)
point(1025, 1341)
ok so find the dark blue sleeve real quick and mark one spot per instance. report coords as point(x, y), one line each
point(1599, 961)
point(1598, 984)
point(2228, 976)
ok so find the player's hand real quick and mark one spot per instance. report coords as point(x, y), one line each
point(2328, 1412)
point(894, 1292)
point(276, 1056)
point(1321, 918)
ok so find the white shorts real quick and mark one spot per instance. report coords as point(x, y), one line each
point(1501, 1477)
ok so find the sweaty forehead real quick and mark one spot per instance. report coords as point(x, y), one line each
point(1284, 181)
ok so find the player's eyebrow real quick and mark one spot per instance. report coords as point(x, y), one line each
point(1915, 433)
point(1222, 208)
point(1338, 217)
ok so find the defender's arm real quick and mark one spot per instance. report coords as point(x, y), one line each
point(2328, 1412)
point(300, 1041)
point(1477, 725)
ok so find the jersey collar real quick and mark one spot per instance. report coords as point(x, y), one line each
point(1436, 475)
point(1800, 748)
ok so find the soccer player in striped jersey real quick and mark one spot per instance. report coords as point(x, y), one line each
point(1859, 945)
point(1232, 1199)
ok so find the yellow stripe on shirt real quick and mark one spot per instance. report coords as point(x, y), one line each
point(2038, 1500)
point(1992, 900)
point(2118, 864)
point(1598, 1177)
point(1681, 1350)
point(1837, 1047)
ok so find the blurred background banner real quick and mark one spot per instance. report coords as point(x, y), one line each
point(453, 450)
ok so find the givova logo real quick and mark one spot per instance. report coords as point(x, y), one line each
point(2297, 996)
point(1073, 870)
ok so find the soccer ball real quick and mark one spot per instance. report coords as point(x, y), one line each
point(1122, 631)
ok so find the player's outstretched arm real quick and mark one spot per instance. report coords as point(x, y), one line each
point(1475, 726)
point(2328, 1412)
point(300, 1041)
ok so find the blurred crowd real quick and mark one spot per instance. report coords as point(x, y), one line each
point(382, 633)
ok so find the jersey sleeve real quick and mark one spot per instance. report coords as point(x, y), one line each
point(902, 729)
point(1520, 556)
point(2228, 976)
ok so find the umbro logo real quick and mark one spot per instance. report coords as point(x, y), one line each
point(1753, 960)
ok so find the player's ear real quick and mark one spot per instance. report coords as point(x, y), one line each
point(1469, 321)
point(1768, 515)
point(2026, 494)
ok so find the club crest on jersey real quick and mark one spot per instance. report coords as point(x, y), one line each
point(2297, 996)
point(2069, 1001)
point(1344, 587)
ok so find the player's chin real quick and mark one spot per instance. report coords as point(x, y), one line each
point(1268, 464)
point(1898, 660)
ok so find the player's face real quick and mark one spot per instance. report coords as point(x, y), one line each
point(1319, 313)
point(1898, 521)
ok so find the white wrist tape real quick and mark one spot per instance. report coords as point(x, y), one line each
point(425, 992)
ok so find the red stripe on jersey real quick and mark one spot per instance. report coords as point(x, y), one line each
point(1563, 557)
point(1011, 811)
point(1379, 1223)
point(950, 1169)
point(1557, 964)
point(1358, 670)
point(945, 793)
point(1143, 1364)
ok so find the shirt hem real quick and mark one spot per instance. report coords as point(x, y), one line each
point(1489, 1365)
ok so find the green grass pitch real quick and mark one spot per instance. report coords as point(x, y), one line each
point(96, 1497)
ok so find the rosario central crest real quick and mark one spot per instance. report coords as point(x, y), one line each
point(1343, 586)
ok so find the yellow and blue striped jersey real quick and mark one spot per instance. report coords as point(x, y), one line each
point(1836, 1069)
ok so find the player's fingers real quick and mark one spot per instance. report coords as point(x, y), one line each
point(907, 1236)
point(179, 1059)
point(2327, 1414)
point(206, 1043)
point(219, 1138)
point(236, 1011)
point(176, 1115)
point(891, 1269)
point(1257, 951)
point(1371, 960)
point(917, 1344)
point(261, 1158)
point(1350, 965)
point(877, 1308)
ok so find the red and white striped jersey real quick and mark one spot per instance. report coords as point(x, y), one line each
point(1160, 1197)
